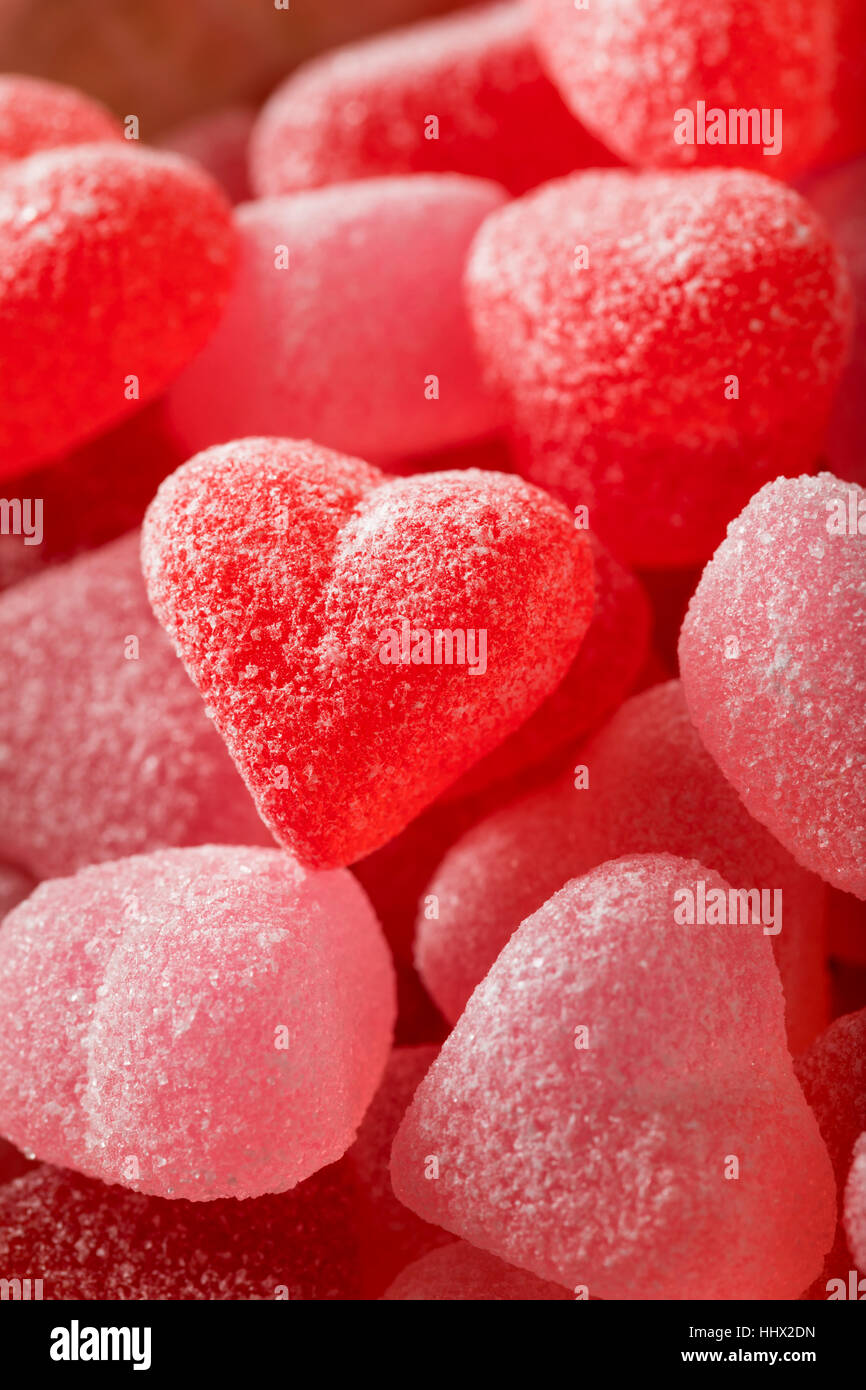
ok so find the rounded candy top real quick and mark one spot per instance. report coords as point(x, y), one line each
point(37, 115)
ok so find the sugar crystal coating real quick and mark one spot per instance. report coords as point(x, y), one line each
point(364, 110)
point(603, 1077)
point(664, 344)
point(460, 1273)
point(629, 68)
point(37, 115)
point(773, 661)
point(855, 1204)
point(390, 1235)
point(347, 323)
point(644, 784)
point(114, 267)
point(304, 591)
point(197, 1023)
point(105, 749)
point(89, 1240)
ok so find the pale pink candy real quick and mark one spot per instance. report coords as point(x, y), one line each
point(599, 1159)
point(105, 747)
point(195, 1023)
point(347, 304)
point(460, 1273)
point(855, 1204)
point(773, 664)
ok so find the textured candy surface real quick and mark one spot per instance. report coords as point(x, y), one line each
point(773, 662)
point(218, 142)
point(628, 69)
point(37, 115)
point(665, 343)
point(93, 1241)
point(105, 749)
point(606, 667)
point(653, 788)
point(114, 265)
point(463, 94)
point(286, 573)
point(390, 1234)
point(587, 1105)
point(458, 1272)
point(197, 1023)
point(840, 198)
point(347, 323)
point(855, 1204)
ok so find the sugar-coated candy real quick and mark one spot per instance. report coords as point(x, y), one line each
point(37, 115)
point(196, 1023)
point(840, 198)
point(87, 1240)
point(114, 267)
point(360, 640)
point(105, 749)
point(14, 886)
point(614, 1072)
point(644, 784)
point(664, 343)
point(463, 94)
point(347, 323)
point(773, 662)
point(88, 497)
point(855, 1204)
point(847, 135)
point(390, 1234)
point(459, 1272)
point(218, 141)
point(663, 83)
point(606, 667)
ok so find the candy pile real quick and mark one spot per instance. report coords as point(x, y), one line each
point(433, 670)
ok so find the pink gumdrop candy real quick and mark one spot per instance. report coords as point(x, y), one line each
point(630, 69)
point(390, 1235)
point(195, 1023)
point(365, 109)
point(631, 323)
point(460, 1273)
point(109, 751)
point(37, 115)
point(115, 267)
point(772, 663)
point(347, 323)
point(292, 580)
point(585, 1113)
point(652, 788)
point(855, 1204)
point(217, 141)
point(91, 1241)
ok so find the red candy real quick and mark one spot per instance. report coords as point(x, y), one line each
point(89, 1240)
point(106, 747)
point(37, 115)
point(305, 591)
point(114, 266)
point(855, 1204)
point(347, 323)
point(462, 94)
point(631, 70)
point(198, 1023)
point(665, 343)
